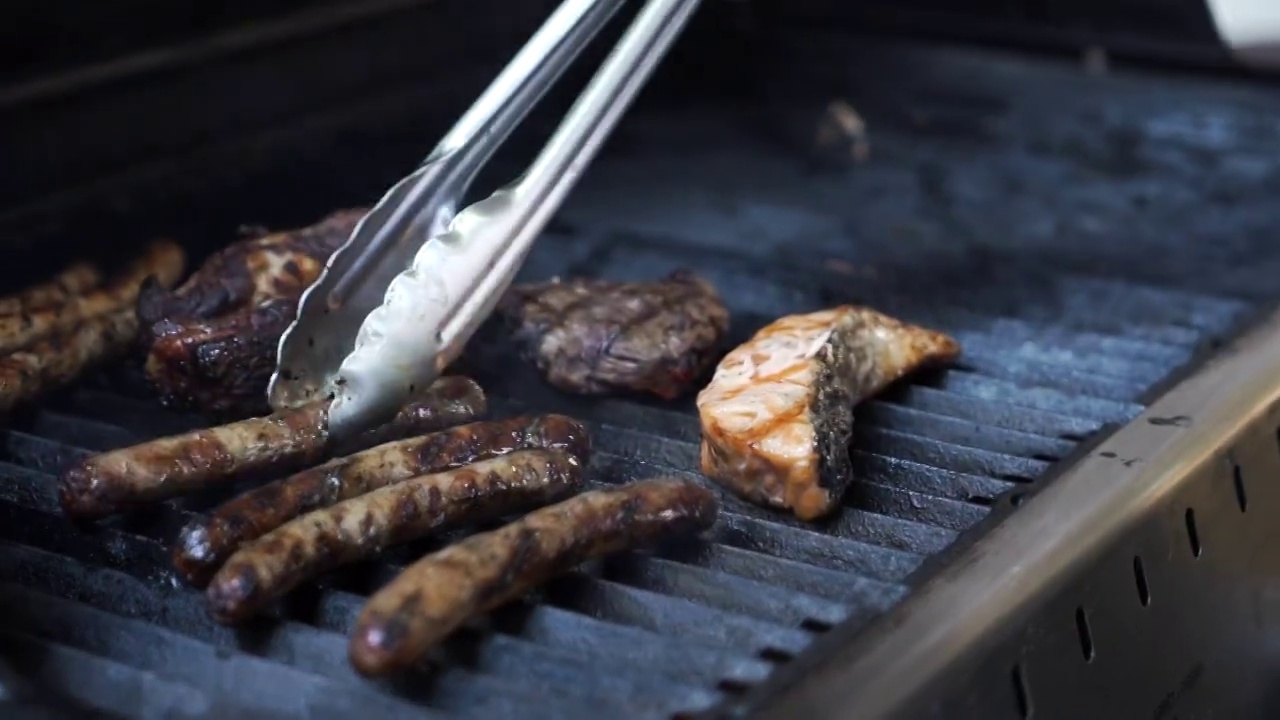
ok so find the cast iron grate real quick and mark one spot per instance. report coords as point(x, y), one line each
point(98, 615)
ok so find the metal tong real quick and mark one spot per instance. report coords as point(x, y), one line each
point(399, 300)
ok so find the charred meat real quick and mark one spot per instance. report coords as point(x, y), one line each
point(363, 526)
point(596, 337)
point(778, 414)
point(206, 543)
point(120, 480)
point(210, 344)
point(435, 595)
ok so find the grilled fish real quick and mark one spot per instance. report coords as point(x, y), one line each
point(595, 337)
point(362, 526)
point(778, 413)
point(211, 344)
point(435, 595)
point(206, 543)
point(120, 480)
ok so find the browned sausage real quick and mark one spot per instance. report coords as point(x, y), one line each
point(435, 595)
point(60, 358)
point(361, 527)
point(163, 261)
point(74, 280)
point(204, 545)
point(79, 334)
point(282, 442)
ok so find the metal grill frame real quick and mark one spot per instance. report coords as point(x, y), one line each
point(1039, 699)
point(1141, 582)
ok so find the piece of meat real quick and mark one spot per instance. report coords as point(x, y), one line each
point(252, 270)
point(778, 413)
point(121, 480)
point(75, 280)
point(435, 595)
point(205, 544)
point(161, 265)
point(210, 345)
point(188, 359)
point(597, 337)
point(361, 527)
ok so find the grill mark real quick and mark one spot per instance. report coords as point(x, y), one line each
point(363, 526)
point(203, 545)
point(132, 477)
point(434, 596)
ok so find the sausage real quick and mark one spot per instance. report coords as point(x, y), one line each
point(361, 527)
point(153, 471)
point(72, 281)
point(204, 544)
point(163, 261)
point(61, 343)
point(435, 595)
point(60, 358)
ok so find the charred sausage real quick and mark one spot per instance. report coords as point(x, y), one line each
point(71, 282)
point(361, 527)
point(60, 358)
point(162, 262)
point(116, 481)
point(61, 343)
point(205, 544)
point(435, 595)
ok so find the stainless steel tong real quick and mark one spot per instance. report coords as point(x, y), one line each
point(399, 300)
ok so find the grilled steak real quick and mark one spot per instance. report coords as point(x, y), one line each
point(362, 526)
point(597, 337)
point(120, 480)
point(211, 344)
point(205, 544)
point(435, 595)
point(778, 414)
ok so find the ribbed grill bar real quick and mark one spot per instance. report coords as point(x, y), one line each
point(638, 635)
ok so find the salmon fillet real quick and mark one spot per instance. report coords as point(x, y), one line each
point(778, 413)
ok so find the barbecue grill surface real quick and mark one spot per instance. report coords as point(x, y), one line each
point(1012, 203)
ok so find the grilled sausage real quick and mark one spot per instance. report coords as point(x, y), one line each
point(163, 261)
point(777, 415)
point(435, 595)
point(282, 442)
point(71, 282)
point(61, 343)
point(204, 545)
point(361, 527)
point(60, 358)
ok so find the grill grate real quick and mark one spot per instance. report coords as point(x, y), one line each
point(642, 635)
point(994, 175)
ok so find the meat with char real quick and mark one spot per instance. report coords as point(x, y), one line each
point(596, 337)
point(210, 344)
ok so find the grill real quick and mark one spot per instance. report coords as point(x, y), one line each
point(1060, 348)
